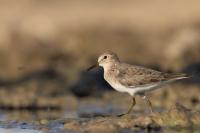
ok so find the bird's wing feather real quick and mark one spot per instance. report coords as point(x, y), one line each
point(135, 76)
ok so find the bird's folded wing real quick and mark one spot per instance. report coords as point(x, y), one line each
point(134, 76)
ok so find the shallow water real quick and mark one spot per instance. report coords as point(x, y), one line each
point(17, 130)
point(89, 113)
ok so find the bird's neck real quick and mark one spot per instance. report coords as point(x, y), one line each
point(109, 66)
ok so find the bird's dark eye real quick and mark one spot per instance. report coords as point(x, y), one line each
point(105, 57)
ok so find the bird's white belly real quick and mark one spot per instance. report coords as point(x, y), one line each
point(121, 88)
point(132, 90)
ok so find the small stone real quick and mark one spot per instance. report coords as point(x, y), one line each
point(44, 122)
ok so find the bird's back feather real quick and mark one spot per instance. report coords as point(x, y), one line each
point(131, 75)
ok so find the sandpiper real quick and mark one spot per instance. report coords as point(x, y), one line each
point(132, 79)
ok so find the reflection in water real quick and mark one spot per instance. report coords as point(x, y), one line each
point(16, 130)
point(30, 115)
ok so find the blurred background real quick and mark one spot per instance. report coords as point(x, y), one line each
point(46, 47)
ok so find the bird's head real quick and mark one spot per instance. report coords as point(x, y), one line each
point(106, 59)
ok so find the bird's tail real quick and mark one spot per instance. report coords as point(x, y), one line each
point(178, 76)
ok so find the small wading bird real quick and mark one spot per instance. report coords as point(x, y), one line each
point(135, 80)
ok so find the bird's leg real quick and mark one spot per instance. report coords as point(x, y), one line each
point(148, 102)
point(130, 108)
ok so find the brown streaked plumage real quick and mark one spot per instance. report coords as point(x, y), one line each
point(133, 79)
point(136, 76)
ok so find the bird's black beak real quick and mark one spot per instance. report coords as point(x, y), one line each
point(93, 66)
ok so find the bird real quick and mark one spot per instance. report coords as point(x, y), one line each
point(133, 79)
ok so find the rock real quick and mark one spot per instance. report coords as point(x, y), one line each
point(90, 83)
point(194, 71)
point(196, 118)
point(44, 122)
point(177, 116)
point(101, 124)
